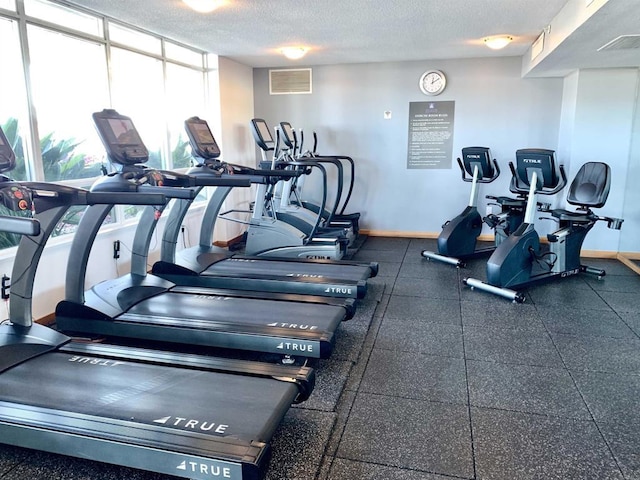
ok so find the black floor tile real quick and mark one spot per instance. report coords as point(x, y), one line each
point(611, 397)
point(420, 435)
point(393, 256)
point(615, 283)
point(385, 243)
point(342, 469)
point(510, 445)
point(331, 378)
point(611, 266)
point(443, 288)
point(622, 301)
point(500, 314)
point(421, 337)
point(523, 388)
point(508, 345)
point(388, 269)
point(299, 444)
point(580, 321)
point(624, 440)
point(632, 319)
point(417, 376)
point(429, 310)
point(601, 354)
point(567, 293)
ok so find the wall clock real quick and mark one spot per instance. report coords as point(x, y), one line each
point(432, 82)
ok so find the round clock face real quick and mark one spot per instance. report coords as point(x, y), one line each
point(432, 82)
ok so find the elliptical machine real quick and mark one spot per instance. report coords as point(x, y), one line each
point(458, 239)
point(519, 262)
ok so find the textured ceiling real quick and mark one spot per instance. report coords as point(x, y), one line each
point(356, 31)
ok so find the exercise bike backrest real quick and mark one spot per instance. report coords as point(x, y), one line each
point(590, 187)
point(478, 157)
point(550, 177)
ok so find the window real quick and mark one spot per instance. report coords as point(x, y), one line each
point(77, 67)
point(137, 90)
point(8, 5)
point(67, 88)
point(66, 17)
point(134, 38)
point(185, 98)
point(14, 118)
point(182, 54)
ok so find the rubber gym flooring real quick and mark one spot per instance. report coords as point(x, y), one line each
point(433, 381)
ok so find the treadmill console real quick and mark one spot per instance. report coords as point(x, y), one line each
point(120, 138)
point(7, 157)
point(201, 139)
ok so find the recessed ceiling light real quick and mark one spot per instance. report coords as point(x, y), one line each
point(204, 6)
point(498, 41)
point(294, 53)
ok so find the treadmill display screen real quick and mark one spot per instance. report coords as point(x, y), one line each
point(123, 132)
point(203, 133)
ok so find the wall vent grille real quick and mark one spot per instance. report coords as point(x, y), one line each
point(623, 42)
point(290, 81)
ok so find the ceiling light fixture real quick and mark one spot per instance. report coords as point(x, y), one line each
point(497, 42)
point(203, 6)
point(294, 53)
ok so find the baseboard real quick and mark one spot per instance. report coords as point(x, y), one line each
point(628, 259)
point(488, 238)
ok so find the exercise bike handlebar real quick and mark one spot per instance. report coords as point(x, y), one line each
point(562, 182)
point(496, 173)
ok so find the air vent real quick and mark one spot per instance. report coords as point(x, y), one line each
point(623, 42)
point(290, 81)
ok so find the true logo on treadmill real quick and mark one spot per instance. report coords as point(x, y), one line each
point(531, 160)
point(295, 347)
point(318, 257)
point(215, 471)
point(190, 424)
point(304, 275)
point(96, 361)
point(342, 290)
point(299, 326)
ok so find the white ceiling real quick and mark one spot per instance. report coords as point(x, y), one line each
point(360, 31)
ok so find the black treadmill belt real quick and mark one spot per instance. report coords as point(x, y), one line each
point(288, 270)
point(200, 310)
point(235, 406)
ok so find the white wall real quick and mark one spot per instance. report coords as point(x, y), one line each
point(597, 126)
point(236, 142)
point(494, 107)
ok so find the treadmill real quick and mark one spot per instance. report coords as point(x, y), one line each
point(211, 266)
point(146, 307)
point(183, 415)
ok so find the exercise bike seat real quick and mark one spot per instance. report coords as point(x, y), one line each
point(589, 189)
